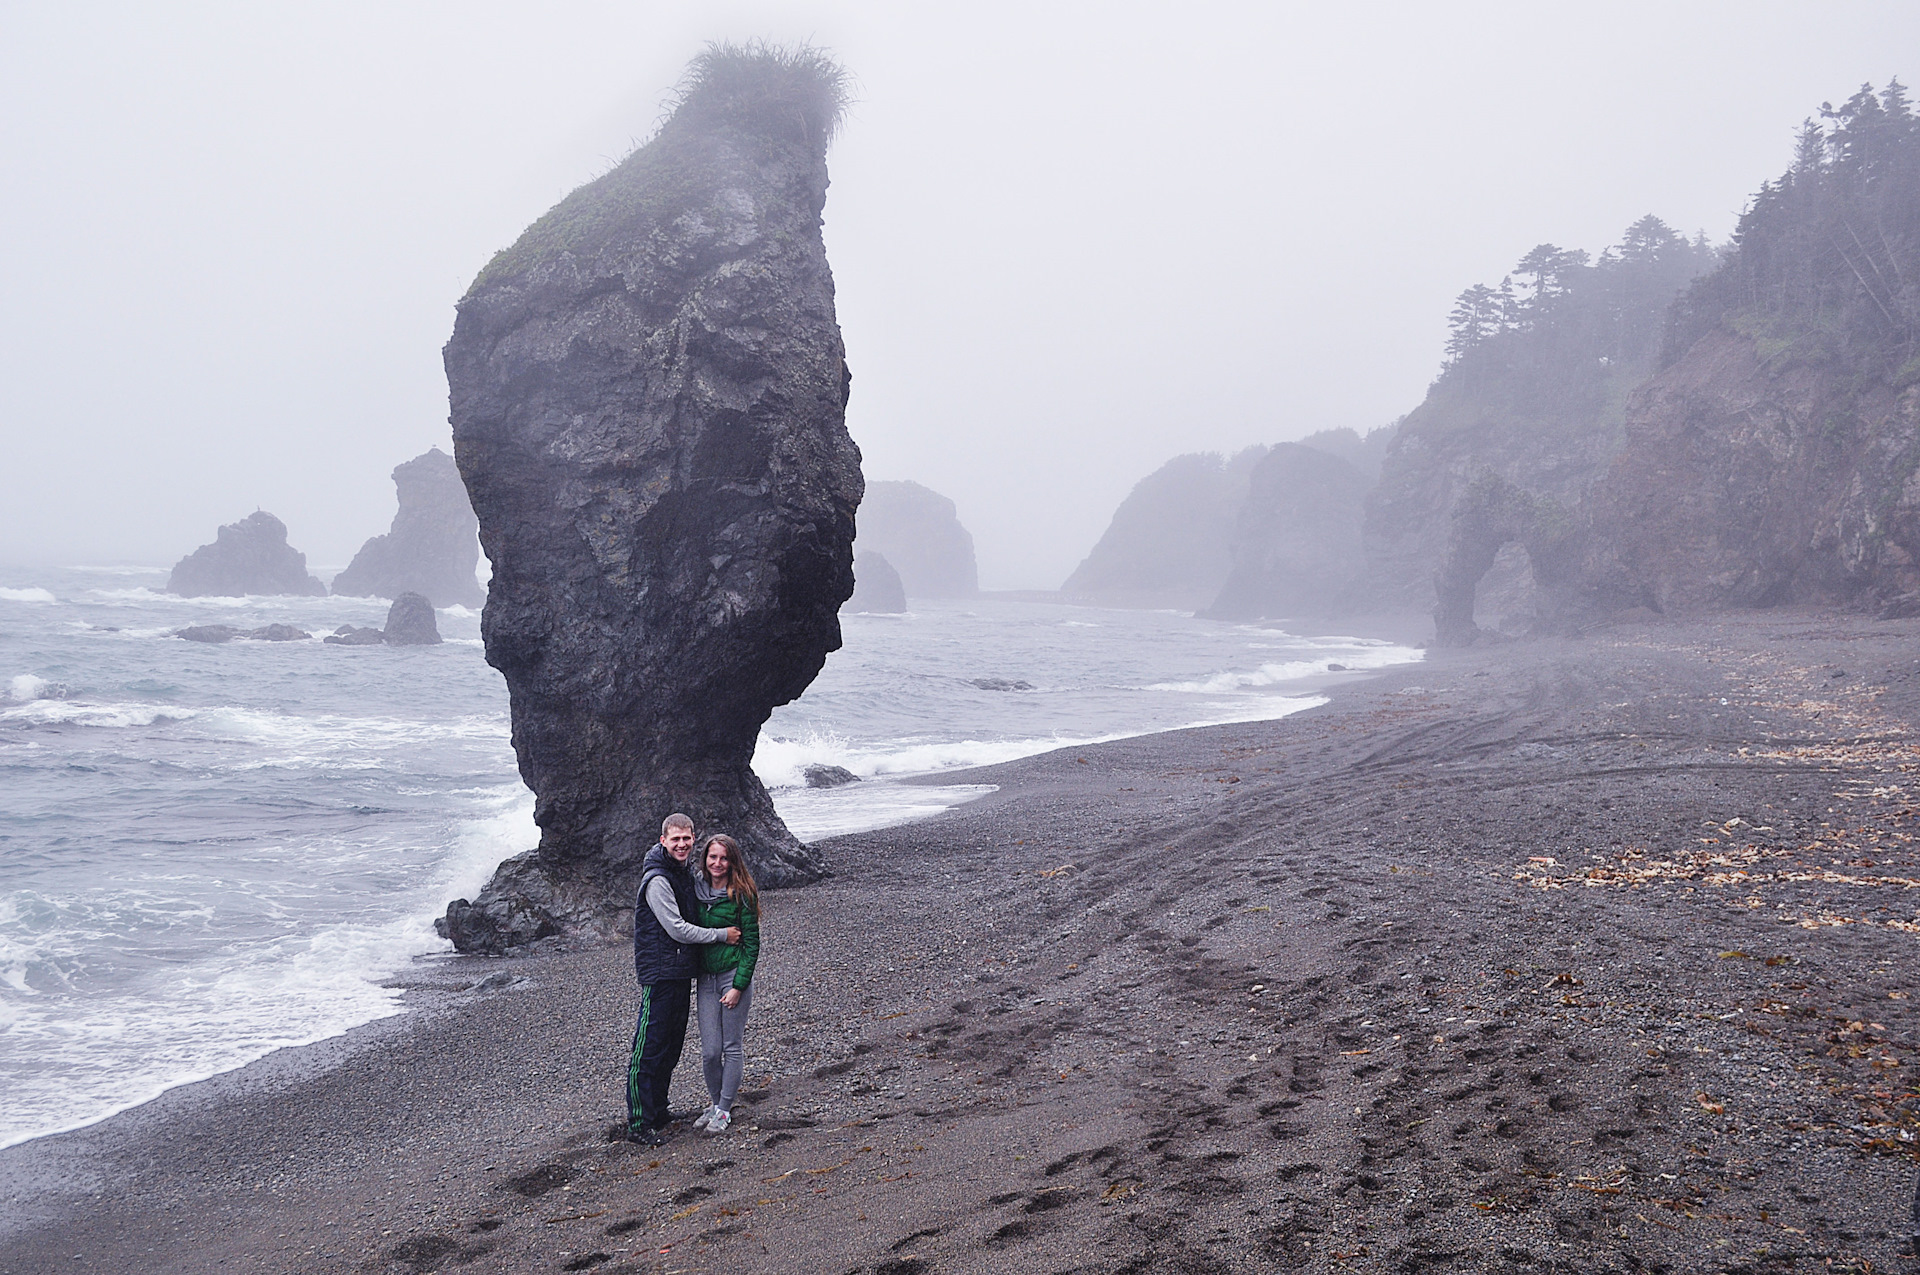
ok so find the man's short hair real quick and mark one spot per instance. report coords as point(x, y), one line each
point(675, 821)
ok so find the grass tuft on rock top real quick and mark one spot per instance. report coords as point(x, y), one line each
point(786, 95)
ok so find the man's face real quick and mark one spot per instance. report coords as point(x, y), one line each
point(678, 841)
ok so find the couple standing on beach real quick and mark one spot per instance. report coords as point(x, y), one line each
point(694, 922)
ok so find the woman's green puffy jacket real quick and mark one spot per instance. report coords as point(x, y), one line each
point(739, 957)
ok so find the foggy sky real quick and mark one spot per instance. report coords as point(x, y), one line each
point(1070, 241)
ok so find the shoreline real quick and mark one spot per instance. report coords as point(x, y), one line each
point(1312, 686)
point(1396, 1010)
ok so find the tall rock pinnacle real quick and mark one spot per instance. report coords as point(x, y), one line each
point(648, 395)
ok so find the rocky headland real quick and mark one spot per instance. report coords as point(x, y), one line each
point(918, 531)
point(433, 545)
point(648, 393)
point(1170, 543)
point(251, 556)
point(1295, 548)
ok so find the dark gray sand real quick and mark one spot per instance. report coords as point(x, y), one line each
point(1582, 955)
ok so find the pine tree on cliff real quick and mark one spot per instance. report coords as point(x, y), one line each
point(1828, 255)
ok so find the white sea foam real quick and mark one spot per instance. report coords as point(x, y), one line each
point(232, 1006)
point(27, 595)
point(1348, 652)
point(76, 713)
point(813, 813)
point(26, 687)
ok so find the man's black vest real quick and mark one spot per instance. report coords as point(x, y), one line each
point(657, 958)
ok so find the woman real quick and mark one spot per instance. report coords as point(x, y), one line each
point(725, 889)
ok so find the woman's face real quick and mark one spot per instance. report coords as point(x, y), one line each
point(717, 866)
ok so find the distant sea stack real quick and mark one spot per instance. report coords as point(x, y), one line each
point(877, 589)
point(432, 548)
point(1170, 543)
point(648, 393)
point(918, 531)
point(1296, 540)
point(249, 556)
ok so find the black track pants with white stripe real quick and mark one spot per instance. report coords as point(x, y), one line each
point(657, 1040)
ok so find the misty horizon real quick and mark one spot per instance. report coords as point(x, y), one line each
point(1066, 250)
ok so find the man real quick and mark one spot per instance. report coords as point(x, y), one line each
point(664, 962)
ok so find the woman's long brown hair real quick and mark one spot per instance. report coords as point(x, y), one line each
point(740, 886)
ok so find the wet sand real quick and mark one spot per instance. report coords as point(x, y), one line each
point(1576, 955)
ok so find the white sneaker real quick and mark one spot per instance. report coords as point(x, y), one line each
point(705, 1118)
point(719, 1121)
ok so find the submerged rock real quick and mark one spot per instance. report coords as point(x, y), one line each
point(876, 586)
point(649, 393)
point(209, 633)
point(433, 546)
point(249, 556)
point(919, 532)
point(279, 633)
point(821, 775)
point(348, 635)
point(999, 684)
point(410, 622)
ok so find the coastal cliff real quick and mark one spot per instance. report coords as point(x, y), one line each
point(431, 548)
point(1170, 543)
point(918, 531)
point(1776, 456)
point(648, 394)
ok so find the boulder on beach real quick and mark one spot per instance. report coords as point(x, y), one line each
point(919, 532)
point(410, 622)
point(876, 586)
point(821, 775)
point(433, 545)
point(648, 397)
point(251, 556)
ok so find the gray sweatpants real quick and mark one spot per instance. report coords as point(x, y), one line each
point(723, 1053)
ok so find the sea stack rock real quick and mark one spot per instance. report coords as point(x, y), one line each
point(249, 556)
point(648, 393)
point(410, 622)
point(918, 531)
point(431, 548)
point(876, 586)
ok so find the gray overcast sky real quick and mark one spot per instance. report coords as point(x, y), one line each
point(1071, 240)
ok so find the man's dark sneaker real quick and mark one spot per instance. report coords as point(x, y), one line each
point(646, 1137)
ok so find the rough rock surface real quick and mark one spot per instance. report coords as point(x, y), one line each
point(648, 394)
point(918, 530)
point(1750, 481)
point(208, 633)
point(348, 635)
point(249, 556)
point(876, 586)
point(432, 547)
point(1296, 539)
point(410, 622)
point(1170, 543)
point(821, 775)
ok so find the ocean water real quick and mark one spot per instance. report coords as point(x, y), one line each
point(211, 852)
